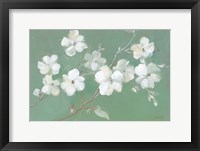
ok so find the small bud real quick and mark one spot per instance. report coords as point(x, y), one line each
point(37, 92)
point(135, 89)
point(161, 65)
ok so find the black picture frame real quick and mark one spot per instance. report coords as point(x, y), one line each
point(5, 5)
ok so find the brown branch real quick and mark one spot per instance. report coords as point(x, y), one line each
point(81, 107)
point(83, 104)
point(40, 99)
point(120, 50)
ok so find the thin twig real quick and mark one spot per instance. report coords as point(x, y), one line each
point(128, 42)
point(115, 57)
point(81, 107)
point(83, 104)
point(40, 99)
point(120, 50)
point(89, 73)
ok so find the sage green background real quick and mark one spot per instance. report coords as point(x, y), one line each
point(124, 106)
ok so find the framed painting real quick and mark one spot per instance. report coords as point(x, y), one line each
point(99, 75)
point(94, 80)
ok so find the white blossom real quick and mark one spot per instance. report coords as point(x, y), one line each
point(108, 81)
point(147, 75)
point(73, 82)
point(73, 43)
point(126, 69)
point(94, 60)
point(37, 92)
point(49, 65)
point(144, 49)
point(50, 86)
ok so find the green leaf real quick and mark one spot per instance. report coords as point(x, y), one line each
point(101, 113)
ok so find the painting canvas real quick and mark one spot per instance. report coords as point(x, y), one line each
point(99, 75)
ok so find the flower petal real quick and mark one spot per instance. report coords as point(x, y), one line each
point(79, 85)
point(100, 77)
point(146, 54)
point(152, 68)
point(141, 70)
point(63, 85)
point(54, 58)
point(70, 89)
point(117, 76)
point(55, 68)
point(129, 74)
point(139, 79)
point(150, 48)
point(70, 51)
point(103, 75)
point(88, 57)
point(80, 78)
point(94, 66)
point(73, 34)
point(154, 77)
point(87, 64)
point(150, 83)
point(137, 51)
point(96, 54)
point(55, 91)
point(46, 59)
point(144, 83)
point(65, 42)
point(73, 74)
point(102, 61)
point(47, 80)
point(80, 38)
point(106, 70)
point(65, 77)
point(46, 90)
point(117, 86)
point(56, 82)
point(44, 69)
point(105, 88)
point(121, 65)
point(144, 41)
point(110, 90)
point(80, 46)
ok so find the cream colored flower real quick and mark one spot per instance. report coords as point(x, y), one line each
point(50, 86)
point(144, 49)
point(49, 65)
point(148, 75)
point(73, 82)
point(108, 81)
point(94, 60)
point(126, 69)
point(73, 43)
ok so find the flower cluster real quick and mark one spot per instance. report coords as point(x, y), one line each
point(72, 82)
point(48, 67)
point(112, 79)
point(109, 77)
